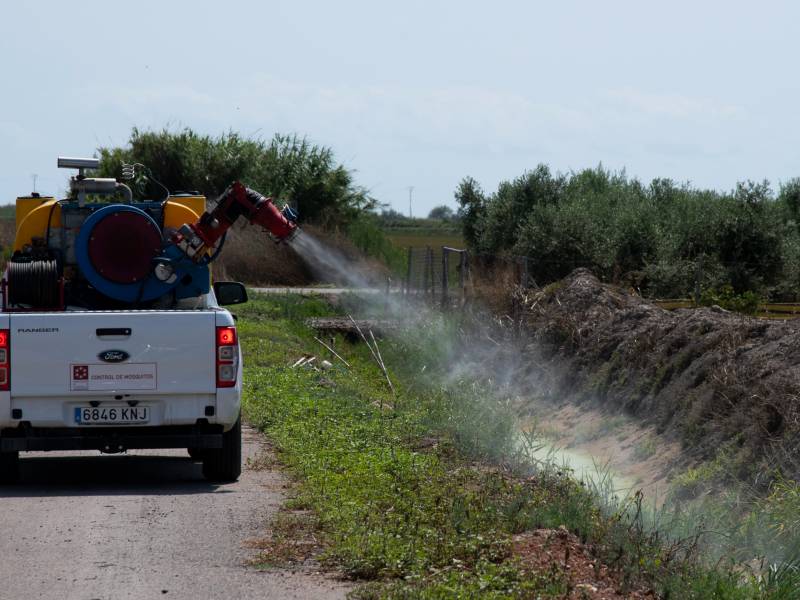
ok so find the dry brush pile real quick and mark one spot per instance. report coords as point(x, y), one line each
point(726, 385)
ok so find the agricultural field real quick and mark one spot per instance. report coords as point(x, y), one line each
point(405, 237)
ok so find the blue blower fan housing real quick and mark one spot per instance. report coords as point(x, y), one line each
point(122, 253)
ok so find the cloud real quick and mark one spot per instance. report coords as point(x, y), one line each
point(673, 105)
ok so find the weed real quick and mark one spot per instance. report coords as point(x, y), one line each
point(436, 520)
point(292, 540)
point(645, 449)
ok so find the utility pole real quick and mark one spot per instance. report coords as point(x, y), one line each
point(34, 177)
point(410, 191)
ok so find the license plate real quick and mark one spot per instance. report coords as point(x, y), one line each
point(112, 415)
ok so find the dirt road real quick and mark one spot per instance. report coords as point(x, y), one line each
point(143, 525)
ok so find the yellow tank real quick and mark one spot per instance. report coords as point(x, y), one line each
point(183, 209)
point(26, 204)
point(32, 216)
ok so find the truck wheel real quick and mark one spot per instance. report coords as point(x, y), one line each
point(9, 467)
point(196, 453)
point(225, 464)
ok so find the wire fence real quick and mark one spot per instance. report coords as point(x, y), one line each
point(449, 275)
point(437, 273)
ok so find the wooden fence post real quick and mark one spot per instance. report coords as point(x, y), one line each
point(409, 270)
point(466, 278)
point(445, 274)
point(432, 269)
point(461, 260)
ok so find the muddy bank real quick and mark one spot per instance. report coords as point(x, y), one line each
point(726, 386)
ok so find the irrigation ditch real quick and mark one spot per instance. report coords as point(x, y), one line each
point(662, 441)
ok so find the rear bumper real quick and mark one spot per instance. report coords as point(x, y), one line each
point(110, 439)
point(50, 412)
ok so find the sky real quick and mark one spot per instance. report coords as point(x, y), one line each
point(413, 93)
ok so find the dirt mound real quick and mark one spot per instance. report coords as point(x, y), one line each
point(728, 385)
point(252, 257)
point(561, 555)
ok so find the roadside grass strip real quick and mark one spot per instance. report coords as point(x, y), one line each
point(411, 494)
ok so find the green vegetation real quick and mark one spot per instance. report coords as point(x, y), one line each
point(367, 235)
point(663, 238)
point(440, 218)
point(442, 213)
point(402, 491)
point(286, 167)
point(409, 237)
point(441, 228)
point(747, 302)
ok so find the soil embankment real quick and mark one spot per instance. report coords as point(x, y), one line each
point(250, 255)
point(725, 385)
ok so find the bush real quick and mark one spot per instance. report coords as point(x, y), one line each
point(664, 238)
point(286, 167)
point(746, 302)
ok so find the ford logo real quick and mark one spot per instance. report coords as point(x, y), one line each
point(113, 356)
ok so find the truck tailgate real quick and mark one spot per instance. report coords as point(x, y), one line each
point(112, 352)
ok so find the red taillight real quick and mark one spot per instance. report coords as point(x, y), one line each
point(227, 357)
point(5, 361)
point(226, 336)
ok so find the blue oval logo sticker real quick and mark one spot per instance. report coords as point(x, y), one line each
point(113, 356)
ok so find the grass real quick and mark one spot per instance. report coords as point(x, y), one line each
point(645, 449)
point(417, 495)
point(404, 237)
point(368, 237)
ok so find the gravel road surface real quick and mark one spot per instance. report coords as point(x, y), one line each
point(142, 525)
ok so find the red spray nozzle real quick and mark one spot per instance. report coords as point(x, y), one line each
point(274, 221)
point(197, 239)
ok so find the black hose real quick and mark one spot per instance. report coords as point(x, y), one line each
point(34, 283)
point(214, 256)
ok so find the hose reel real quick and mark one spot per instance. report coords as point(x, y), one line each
point(34, 283)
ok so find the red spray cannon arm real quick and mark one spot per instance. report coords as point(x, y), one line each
point(237, 201)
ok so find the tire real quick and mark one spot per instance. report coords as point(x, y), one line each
point(9, 467)
point(225, 464)
point(196, 453)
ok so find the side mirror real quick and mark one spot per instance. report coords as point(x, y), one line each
point(229, 292)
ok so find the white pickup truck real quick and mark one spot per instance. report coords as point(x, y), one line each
point(111, 335)
point(114, 380)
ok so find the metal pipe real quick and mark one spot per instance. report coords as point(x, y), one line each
point(126, 191)
point(99, 185)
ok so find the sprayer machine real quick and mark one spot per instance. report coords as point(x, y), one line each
point(84, 251)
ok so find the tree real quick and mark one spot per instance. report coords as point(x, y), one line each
point(667, 237)
point(442, 213)
point(287, 167)
point(472, 210)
